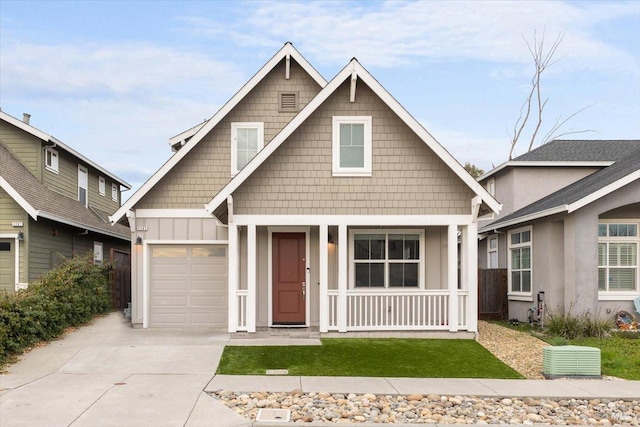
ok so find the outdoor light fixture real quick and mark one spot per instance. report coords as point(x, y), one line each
point(138, 241)
point(20, 235)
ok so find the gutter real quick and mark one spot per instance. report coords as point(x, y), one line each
point(83, 226)
point(525, 218)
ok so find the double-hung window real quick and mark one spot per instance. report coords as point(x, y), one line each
point(101, 186)
point(492, 252)
point(351, 143)
point(51, 159)
point(387, 258)
point(246, 140)
point(83, 184)
point(618, 257)
point(520, 263)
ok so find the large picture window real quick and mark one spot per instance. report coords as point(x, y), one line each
point(352, 146)
point(520, 261)
point(618, 257)
point(246, 140)
point(387, 259)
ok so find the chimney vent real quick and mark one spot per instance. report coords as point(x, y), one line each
point(26, 117)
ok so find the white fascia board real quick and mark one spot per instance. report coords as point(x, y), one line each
point(317, 101)
point(184, 242)
point(352, 220)
point(66, 221)
point(525, 218)
point(25, 127)
point(546, 163)
point(211, 123)
point(604, 191)
point(33, 213)
point(182, 136)
point(172, 213)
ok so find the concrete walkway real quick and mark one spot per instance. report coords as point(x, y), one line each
point(108, 374)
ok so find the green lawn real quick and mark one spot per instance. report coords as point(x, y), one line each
point(420, 358)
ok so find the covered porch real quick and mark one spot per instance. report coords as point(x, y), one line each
point(441, 297)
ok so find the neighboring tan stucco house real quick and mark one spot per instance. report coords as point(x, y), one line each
point(570, 226)
point(307, 203)
point(54, 202)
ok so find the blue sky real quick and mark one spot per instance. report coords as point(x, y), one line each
point(116, 79)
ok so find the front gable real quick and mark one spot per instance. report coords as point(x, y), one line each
point(407, 177)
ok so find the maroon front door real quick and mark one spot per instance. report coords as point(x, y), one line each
point(289, 278)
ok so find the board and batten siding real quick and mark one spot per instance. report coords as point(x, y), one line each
point(207, 168)
point(408, 177)
point(11, 212)
point(168, 229)
point(24, 146)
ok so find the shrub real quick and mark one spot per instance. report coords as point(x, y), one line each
point(69, 295)
point(569, 326)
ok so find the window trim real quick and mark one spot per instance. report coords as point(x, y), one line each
point(608, 295)
point(55, 163)
point(114, 191)
point(386, 231)
point(335, 142)
point(102, 186)
point(86, 189)
point(520, 296)
point(98, 256)
point(490, 251)
point(234, 141)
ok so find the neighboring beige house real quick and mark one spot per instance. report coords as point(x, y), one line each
point(570, 226)
point(307, 203)
point(54, 202)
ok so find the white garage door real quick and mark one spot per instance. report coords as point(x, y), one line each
point(188, 286)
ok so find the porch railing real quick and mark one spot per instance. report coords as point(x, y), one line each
point(241, 295)
point(396, 310)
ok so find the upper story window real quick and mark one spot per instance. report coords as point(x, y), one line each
point(83, 181)
point(520, 261)
point(491, 187)
point(114, 192)
point(492, 252)
point(51, 159)
point(101, 186)
point(387, 258)
point(618, 257)
point(246, 140)
point(352, 146)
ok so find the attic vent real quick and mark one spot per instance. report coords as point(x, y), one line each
point(288, 102)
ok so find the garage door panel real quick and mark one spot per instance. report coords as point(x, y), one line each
point(189, 291)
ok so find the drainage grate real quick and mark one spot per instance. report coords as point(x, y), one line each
point(278, 415)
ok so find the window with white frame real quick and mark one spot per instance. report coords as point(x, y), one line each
point(492, 252)
point(114, 192)
point(387, 258)
point(51, 159)
point(491, 187)
point(83, 184)
point(618, 257)
point(351, 143)
point(97, 253)
point(102, 186)
point(246, 140)
point(520, 262)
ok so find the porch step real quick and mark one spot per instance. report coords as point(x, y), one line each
point(278, 333)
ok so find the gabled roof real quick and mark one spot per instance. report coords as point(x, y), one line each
point(40, 202)
point(200, 131)
point(57, 143)
point(572, 153)
point(579, 194)
point(353, 69)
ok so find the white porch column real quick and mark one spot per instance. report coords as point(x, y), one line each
point(471, 251)
point(233, 277)
point(251, 278)
point(324, 278)
point(452, 275)
point(342, 278)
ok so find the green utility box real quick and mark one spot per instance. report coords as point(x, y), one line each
point(571, 361)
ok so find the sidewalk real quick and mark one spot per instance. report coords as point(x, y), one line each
point(107, 374)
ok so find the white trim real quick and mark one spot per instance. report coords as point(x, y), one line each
point(16, 256)
point(546, 163)
point(102, 186)
point(185, 242)
point(48, 138)
point(114, 190)
point(98, 258)
point(452, 276)
point(617, 296)
point(55, 160)
point(520, 297)
point(323, 277)
point(604, 191)
point(182, 136)
point(307, 235)
point(86, 183)
point(202, 131)
point(525, 218)
point(171, 213)
point(490, 251)
point(318, 100)
point(355, 220)
point(343, 277)
point(61, 220)
point(472, 276)
point(251, 278)
point(367, 122)
point(520, 294)
point(33, 213)
point(259, 127)
point(233, 276)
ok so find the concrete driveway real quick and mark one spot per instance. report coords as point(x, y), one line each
point(108, 374)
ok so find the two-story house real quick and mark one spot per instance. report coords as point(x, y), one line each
point(54, 202)
point(307, 203)
point(570, 226)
